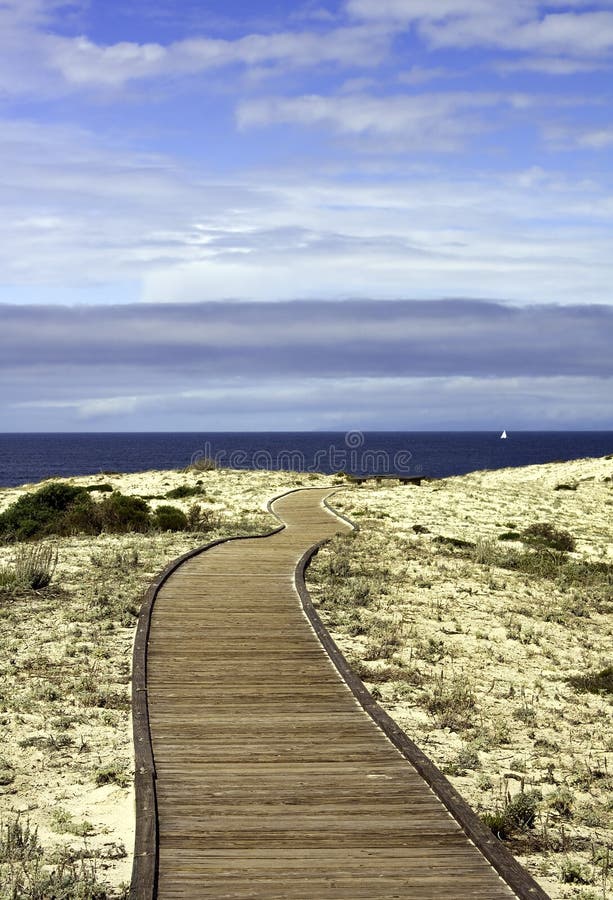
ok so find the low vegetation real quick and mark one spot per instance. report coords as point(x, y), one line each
point(70, 594)
point(478, 611)
point(63, 509)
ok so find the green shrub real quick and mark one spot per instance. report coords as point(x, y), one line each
point(594, 682)
point(32, 569)
point(184, 490)
point(8, 579)
point(119, 514)
point(40, 513)
point(114, 773)
point(35, 565)
point(519, 814)
point(103, 488)
point(7, 772)
point(81, 517)
point(509, 536)
point(572, 872)
point(541, 562)
point(169, 518)
point(18, 842)
point(451, 704)
point(458, 543)
point(542, 534)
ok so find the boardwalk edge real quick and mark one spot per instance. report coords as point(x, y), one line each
point(144, 881)
point(509, 869)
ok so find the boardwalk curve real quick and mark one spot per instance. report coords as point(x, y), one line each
point(264, 769)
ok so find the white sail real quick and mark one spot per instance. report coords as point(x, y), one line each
point(503, 435)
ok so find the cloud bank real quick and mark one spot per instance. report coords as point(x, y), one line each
point(306, 365)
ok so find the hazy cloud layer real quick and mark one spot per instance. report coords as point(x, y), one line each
point(383, 339)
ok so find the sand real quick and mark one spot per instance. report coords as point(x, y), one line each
point(510, 640)
point(497, 645)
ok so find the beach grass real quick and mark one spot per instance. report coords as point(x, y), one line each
point(478, 609)
point(494, 655)
point(68, 609)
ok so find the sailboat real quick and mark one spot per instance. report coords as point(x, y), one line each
point(503, 435)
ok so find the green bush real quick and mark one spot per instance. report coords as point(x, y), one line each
point(458, 543)
point(114, 773)
point(572, 872)
point(519, 814)
point(103, 488)
point(169, 518)
point(542, 534)
point(40, 513)
point(184, 490)
point(35, 565)
point(119, 514)
point(18, 842)
point(81, 517)
point(594, 682)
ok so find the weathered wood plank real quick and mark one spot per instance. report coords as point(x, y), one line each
point(271, 771)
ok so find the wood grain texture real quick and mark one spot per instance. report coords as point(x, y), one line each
point(266, 769)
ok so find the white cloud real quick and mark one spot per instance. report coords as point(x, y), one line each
point(82, 62)
point(586, 35)
point(422, 75)
point(571, 137)
point(549, 66)
point(412, 10)
point(525, 25)
point(597, 139)
point(81, 213)
point(438, 121)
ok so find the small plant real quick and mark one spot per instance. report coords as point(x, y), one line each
point(451, 704)
point(561, 801)
point(456, 543)
point(65, 823)
point(122, 560)
point(518, 814)
point(466, 759)
point(542, 534)
point(103, 488)
point(18, 842)
point(525, 713)
point(33, 568)
point(573, 872)
point(114, 773)
point(202, 520)
point(7, 772)
point(35, 565)
point(509, 536)
point(594, 682)
point(184, 490)
point(169, 518)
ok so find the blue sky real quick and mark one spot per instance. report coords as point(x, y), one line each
point(318, 162)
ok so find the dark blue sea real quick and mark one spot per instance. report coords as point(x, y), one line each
point(32, 457)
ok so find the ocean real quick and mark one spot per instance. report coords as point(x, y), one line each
point(435, 454)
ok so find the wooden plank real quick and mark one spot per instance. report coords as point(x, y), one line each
point(271, 771)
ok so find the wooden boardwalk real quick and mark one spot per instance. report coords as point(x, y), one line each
point(270, 779)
